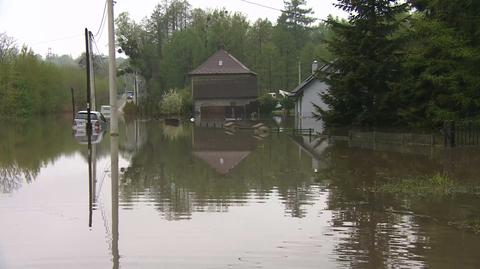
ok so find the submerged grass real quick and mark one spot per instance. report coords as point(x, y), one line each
point(471, 225)
point(436, 185)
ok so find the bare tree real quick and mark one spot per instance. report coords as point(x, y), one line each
point(8, 48)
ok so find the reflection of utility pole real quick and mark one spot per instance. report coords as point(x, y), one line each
point(114, 179)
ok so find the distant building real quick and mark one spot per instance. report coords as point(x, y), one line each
point(224, 89)
point(306, 95)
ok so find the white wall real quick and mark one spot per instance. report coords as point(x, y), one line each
point(304, 107)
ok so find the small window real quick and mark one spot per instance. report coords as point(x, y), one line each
point(220, 62)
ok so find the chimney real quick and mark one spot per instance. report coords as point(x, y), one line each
point(314, 67)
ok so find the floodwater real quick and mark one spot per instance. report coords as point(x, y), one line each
point(197, 197)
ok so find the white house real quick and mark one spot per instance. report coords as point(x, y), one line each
point(306, 95)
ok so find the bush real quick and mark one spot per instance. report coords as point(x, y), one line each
point(287, 104)
point(267, 103)
point(187, 101)
point(171, 103)
point(130, 109)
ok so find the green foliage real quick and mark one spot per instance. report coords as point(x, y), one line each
point(366, 70)
point(171, 103)
point(187, 101)
point(176, 39)
point(30, 85)
point(287, 103)
point(130, 109)
point(421, 187)
point(267, 103)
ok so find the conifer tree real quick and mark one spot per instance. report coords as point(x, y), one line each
point(367, 67)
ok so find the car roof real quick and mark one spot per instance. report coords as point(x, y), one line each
point(85, 112)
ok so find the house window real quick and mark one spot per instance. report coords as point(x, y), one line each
point(220, 62)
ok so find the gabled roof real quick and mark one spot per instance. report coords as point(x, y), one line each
point(221, 62)
point(300, 88)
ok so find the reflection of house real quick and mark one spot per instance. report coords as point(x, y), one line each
point(224, 88)
point(314, 148)
point(221, 151)
point(306, 94)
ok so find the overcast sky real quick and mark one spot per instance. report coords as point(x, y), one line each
point(60, 24)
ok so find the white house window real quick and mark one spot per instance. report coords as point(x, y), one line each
point(220, 62)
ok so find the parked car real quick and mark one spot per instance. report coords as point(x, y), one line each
point(130, 96)
point(98, 120)
point(105, 110)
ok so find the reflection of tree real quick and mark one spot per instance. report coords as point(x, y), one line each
point(28, 145)
point(167, 172)
point(383, 231)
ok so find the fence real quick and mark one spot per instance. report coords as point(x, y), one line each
point(461, 133)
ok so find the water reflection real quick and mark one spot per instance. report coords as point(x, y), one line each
point(195, 197)
point(210, 170)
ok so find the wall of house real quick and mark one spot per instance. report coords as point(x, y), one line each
point(198, 104)
point(304, 106)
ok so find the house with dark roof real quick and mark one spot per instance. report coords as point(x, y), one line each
point(306, 95)
point(224, 89)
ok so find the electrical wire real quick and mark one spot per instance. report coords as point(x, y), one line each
point(58, 39)
point(102, 22)
point(264, 6)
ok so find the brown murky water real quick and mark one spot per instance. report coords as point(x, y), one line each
point(194, 197)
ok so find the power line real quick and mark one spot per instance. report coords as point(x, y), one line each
point(264, 6)
point(102, 22)
point(58, 39)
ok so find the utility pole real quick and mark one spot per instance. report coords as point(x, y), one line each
point(112, 76)
point(87, 58)
point(112, 72)
point(299, 72)
point(73, 103)
point(92, 72)
point(135, 87)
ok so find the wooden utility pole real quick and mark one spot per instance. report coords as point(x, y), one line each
point(73, 103)
point(87, 58)
point(92, 72)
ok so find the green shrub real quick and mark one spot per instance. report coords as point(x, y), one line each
point(171, 103)
point(130, 109)
point(267, 103)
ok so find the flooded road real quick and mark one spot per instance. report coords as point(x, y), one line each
point(197, 197)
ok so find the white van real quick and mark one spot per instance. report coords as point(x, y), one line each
point(105, 110)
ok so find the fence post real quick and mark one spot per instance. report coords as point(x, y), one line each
point(449, 133)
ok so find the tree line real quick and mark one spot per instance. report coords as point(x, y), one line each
point(406, 63)
point(32, 85)
point(175, 39)
point(392, 62)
